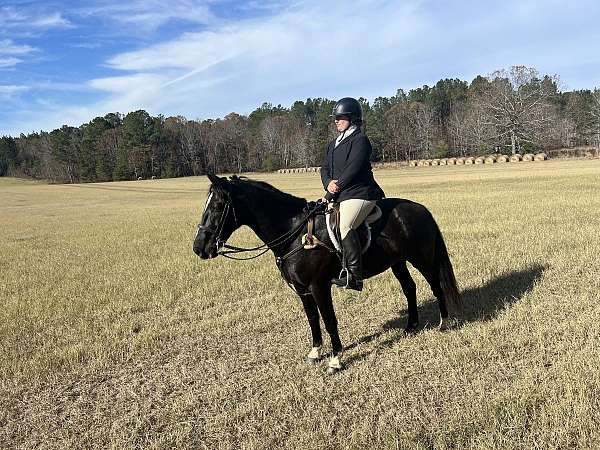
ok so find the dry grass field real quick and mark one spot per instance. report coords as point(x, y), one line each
point(113, 334)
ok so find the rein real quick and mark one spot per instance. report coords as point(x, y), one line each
point(263, 248)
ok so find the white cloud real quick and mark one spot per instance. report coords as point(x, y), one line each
point(9, 62)
point(8, 47)
point(324, 49)
point(51, 21)
point(10, 89)
point(27, 18)
point(127, 84)
point(8, 51)
point(242, 64)
point(149, 14)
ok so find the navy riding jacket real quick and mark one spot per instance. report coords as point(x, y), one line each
point(349, 164)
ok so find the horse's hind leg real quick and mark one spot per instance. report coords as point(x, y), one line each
point(410, 292)
point(312, 314)
point(434, 282)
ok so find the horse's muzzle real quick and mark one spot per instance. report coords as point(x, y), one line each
point(204, 254)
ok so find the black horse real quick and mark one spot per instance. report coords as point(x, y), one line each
point(405, 232)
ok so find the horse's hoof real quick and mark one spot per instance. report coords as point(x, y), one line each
point(314, 356)
point(445, 324)
point(334, 366)
point(333, 370)
point(411, 328)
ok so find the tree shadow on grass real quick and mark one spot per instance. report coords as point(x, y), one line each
point(479, 304)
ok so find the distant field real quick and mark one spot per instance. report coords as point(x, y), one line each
point(114, 334)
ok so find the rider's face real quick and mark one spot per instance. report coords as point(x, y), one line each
point(342, 123)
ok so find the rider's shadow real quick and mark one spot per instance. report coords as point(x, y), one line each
point(479, 304)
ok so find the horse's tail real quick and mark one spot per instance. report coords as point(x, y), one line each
point(446, 274)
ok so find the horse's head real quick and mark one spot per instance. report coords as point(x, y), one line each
point(218, 220)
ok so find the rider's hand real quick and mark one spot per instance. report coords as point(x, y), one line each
point(333, 187)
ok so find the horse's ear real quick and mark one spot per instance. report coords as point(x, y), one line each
point(218, 182)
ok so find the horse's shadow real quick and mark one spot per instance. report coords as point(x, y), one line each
point(479, 304)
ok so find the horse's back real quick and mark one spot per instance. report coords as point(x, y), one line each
point(406, 229)
point(406, 211)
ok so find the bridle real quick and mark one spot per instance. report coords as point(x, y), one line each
point(263, 248)
point(219, 229)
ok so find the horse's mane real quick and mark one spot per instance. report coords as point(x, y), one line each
point(264, 187)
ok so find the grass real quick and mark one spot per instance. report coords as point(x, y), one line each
point(114, 334)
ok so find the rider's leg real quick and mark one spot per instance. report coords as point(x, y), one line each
point(352, 213)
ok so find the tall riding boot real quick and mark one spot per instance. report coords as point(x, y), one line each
point(351, 274)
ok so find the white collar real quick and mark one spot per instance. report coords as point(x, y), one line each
point(344, 134)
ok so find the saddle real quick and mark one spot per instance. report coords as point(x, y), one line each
point(363, 230)
point(333, 229)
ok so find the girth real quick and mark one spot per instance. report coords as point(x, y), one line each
point(310, 241)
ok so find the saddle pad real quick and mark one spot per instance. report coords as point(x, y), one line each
point(365, 237)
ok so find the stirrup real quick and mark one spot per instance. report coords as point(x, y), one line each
point(344, 269)
point(341, 277)
point(357, 285)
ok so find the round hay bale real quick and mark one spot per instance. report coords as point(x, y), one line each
point(443, 161)
point(528, 157)
point(435, 162)
point(479, 160)
point(469, 160)
point(413, 163)
point(516, 158)
point(490, 159)
point(427, 162)
point(460, 161)
point(502, 159)
point(451, 161)
point(541, 157)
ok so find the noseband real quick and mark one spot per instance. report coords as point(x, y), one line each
point(219, 229)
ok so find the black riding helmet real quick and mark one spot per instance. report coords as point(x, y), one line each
point(349, 107)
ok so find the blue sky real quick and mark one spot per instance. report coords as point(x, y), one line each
point(67, 62)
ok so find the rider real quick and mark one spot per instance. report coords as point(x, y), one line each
point(348, 179)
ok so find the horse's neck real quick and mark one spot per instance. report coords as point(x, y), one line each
point(270, 219)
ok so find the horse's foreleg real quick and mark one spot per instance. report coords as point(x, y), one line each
point(410, 292)
point(312, 314)
point(322, 296)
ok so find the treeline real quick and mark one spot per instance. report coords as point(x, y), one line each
point(514, 110)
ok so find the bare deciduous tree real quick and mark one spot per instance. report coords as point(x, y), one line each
point(517, 104)
point(411, 128)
